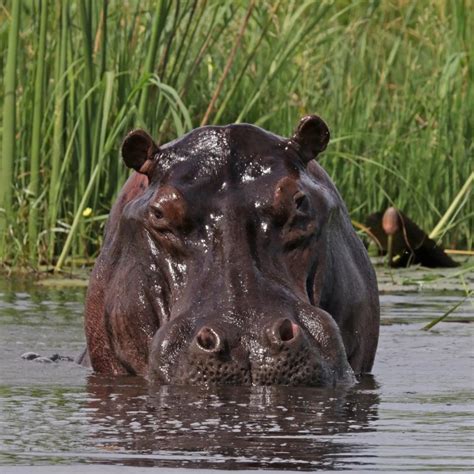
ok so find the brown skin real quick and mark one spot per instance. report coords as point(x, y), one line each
point(230, 258)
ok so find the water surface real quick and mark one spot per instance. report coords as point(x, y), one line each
point(415, 413)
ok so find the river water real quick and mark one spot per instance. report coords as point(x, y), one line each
point(414, 413)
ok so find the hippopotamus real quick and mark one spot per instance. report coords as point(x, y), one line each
point(404, 243)
point(229, 258)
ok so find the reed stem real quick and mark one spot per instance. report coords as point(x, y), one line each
point(36, 136)
point(9, 129)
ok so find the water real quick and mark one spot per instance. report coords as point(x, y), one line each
point(415, 413)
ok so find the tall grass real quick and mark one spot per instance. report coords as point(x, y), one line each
point(394, 80)
point(38, 104)
point(8, 125)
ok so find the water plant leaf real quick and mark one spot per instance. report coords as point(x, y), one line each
point(433, 323)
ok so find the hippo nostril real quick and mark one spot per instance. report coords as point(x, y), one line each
point(208, 340)
point(286, 331)
point(282, 332)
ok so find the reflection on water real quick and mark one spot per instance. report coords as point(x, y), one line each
point(413, 414)
point(259, 427)
point(123, 421)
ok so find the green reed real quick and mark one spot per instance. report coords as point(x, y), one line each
point(37, 106)
point(394, 81)
point(9, 150)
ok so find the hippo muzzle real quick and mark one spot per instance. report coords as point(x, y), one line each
point(279, 352)
point(229, 258)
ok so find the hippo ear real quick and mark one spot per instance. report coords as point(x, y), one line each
point(138, 151)
point(311, 137)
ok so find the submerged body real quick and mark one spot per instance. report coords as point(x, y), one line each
point(404, 243)
point(229, 257)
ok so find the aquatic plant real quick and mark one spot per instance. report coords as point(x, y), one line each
point(394, 80)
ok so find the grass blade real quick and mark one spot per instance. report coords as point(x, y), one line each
point(109, 81)
point(36, 135)
point(433, 323)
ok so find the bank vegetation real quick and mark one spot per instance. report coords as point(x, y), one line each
point(393, 79)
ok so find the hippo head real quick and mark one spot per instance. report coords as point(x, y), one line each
point(221, 259)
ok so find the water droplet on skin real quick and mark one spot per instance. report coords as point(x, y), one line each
point(151, 243)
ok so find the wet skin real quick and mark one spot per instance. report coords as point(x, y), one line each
point(229, 258)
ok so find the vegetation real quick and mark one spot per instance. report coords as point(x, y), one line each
point(394, 80)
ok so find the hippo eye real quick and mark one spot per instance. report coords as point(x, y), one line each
point(301, 203)
point(300, 200)
point(167, 210)
point(157, 211)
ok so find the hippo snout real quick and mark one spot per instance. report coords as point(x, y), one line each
point(279, 352)
point(278, 334)
point(289, 356)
